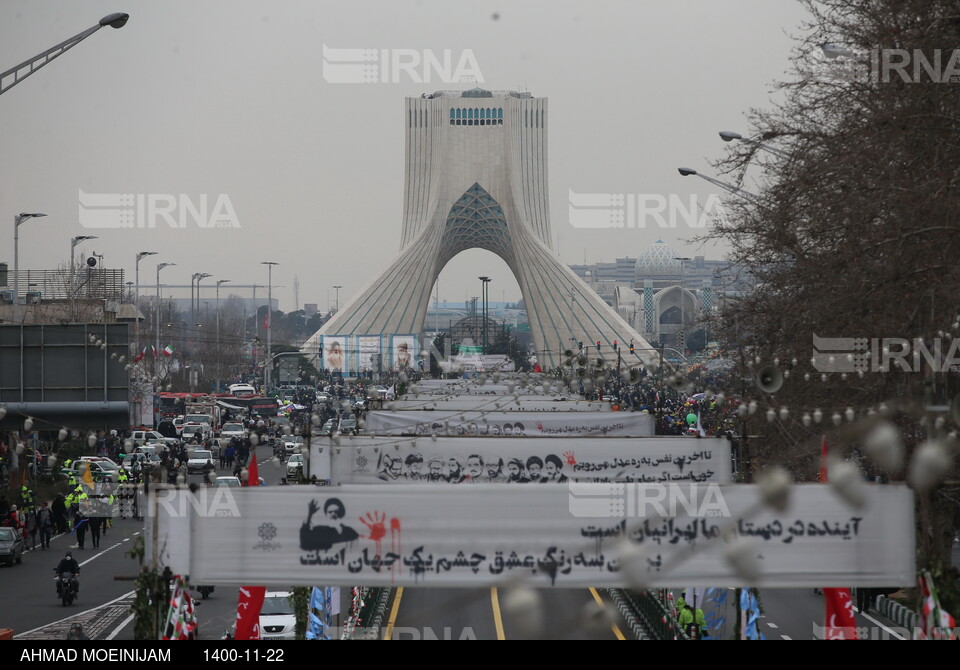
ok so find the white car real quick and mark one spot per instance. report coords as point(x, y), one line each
point(292, 444)
point(227, 481)
point(230, 430)
point(191, 429)
point(198, 459)
point(277, 619)
point(294, 465)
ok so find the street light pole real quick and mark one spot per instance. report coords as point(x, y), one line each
point(73, 243)
point(729, 135)
point(483, 294)
point(156, 352)
point(337, 308)
point(136, 341)
point(683, 300)
point(17, 220)
point(746, 195)
point(219, 282)
point(268, 362)
point(113, 20)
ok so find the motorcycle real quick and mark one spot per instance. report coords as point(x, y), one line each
point(67, 588)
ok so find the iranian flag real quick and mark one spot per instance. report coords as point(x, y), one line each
point(139, 357)
point(168, 350)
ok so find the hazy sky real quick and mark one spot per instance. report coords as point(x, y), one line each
point(200, 97)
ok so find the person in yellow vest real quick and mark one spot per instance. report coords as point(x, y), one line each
point(26, 498)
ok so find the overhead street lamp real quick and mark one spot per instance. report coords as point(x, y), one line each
point(686, 172)
point(17, 220)
point(267, 362)
point(156, 351)
point(136, 301)
point(118, 20)
point(219, 282)
point(729, 136)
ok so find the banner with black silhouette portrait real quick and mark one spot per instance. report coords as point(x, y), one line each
point(572, 535)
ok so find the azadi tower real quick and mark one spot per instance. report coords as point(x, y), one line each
point(476, 176)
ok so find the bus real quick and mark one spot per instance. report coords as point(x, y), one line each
point(241, 389)
point(253, 405)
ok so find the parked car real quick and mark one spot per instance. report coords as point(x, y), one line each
point(11, 546)
point(295, 465)
point(348, 426)
point(277, 618)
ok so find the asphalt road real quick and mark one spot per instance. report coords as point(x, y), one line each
point(487, 614)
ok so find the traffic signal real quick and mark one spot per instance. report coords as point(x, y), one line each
point(598, 345)
point(580, 345)
point(631, 346)
point(615, 346)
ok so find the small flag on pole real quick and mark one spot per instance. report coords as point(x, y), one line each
point(168, 350)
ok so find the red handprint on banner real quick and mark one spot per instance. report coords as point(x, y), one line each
point(375, 522)
point(568, 455)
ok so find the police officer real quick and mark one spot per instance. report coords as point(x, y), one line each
point(26, 498)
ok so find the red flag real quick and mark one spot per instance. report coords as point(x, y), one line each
point(248, 612)
point(251, 597)
point(823, 460)
point(840, 624)
point(253, 474)
point(537, 368)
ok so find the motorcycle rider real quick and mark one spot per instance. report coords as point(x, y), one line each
point(68, 564)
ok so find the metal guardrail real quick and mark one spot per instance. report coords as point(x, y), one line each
point(656, 621)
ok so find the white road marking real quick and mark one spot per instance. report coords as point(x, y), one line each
point(75, 614)
point(786, 637)
point(772, 625)
point(120, 627)
point(96, 556)
point(892, 632)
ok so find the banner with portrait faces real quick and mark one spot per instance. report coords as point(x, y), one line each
point(524, 460)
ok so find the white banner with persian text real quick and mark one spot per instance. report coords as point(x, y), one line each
point(482, 403)
point(493, 423)
point(578, 535)
point(525, 460)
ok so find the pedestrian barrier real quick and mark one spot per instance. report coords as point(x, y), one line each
point(370, 618)
point(902, 616)
point(6, 633)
